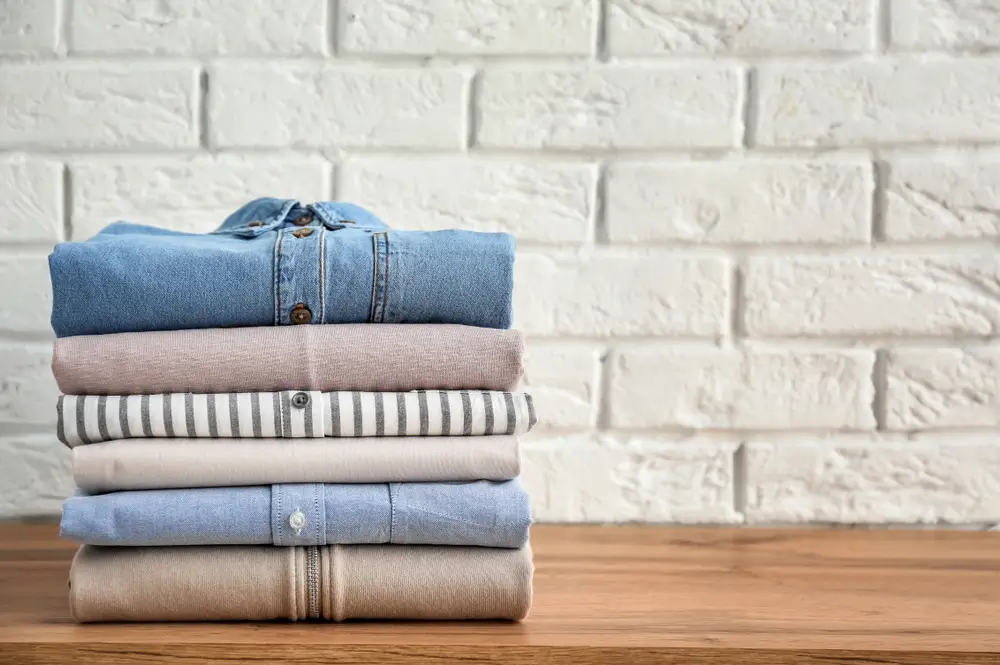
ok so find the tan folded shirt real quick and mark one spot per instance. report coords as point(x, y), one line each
point(335, 582)
point(383, 357)
point(136, 464)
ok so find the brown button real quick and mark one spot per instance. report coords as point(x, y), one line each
point(302, 233)
point(256, 224)
point(300, 314)
point(305, 220)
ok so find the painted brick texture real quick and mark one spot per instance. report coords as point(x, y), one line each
point(758, 260)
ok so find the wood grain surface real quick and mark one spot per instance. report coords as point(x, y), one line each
point(626, 595)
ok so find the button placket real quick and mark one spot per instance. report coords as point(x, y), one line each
point(298, 276)
point(380, 286)
point(303, 414)
point(298, 514)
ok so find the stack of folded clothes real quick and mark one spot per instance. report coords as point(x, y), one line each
point(248, 445)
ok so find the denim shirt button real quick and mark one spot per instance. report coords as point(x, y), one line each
point(255, 224)
point(300, 314)
point(300, 400)
point(302, 233)
point(305, 220)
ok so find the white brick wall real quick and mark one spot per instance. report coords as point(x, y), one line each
point(759, 243)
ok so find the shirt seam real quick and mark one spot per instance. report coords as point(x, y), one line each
point(380, 276)
point(317, 539)
point(392, 515)
point(375, 244)
point(322, 275)
point(279, 537)
point(277, 277)
point(385, 279)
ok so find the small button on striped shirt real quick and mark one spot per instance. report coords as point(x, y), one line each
point(84, 419)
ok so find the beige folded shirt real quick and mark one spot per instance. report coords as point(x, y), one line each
point(334, 582)
point(384, 357)
point(136, 464)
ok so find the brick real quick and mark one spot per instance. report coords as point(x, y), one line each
point(937, 24)
point(435, 27)
point(36, 476)
point(220, 27)
point(594, 478)
point(313, 104)
point(26, 307)
point(609, 107)
point(947, 480)
point(191, 194)
point(563, 380)
point(752, 201)
point(709, 388)
point(31, 199)
point(617, 293)
point(874, 294)
point(29, 27)
point(930, 198)
point(936, 388)
point(74, 105)
point(885, 101)
point(27, 390)
point(641, 27)
point(545, 202)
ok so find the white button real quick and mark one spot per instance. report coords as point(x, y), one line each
point(297, 520)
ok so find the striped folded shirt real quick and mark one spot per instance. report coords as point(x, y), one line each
point(84, 419)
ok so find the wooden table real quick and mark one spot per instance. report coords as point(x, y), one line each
point(624, 595)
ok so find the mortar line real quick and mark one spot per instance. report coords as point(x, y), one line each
point(601, 30)
point(333, 26)
point(604, 389)
point(880, 383)
point(67, 204)
point(880, 181)
point(26, 336)
point(203, 92)
point(669, 154)
point(600, 234)
point(471, 112)
point(740, 481)
point(65, 16)
point(749, 110)
point(737, 301)
point(883, 25)
point(530, 60)
point(335, 179)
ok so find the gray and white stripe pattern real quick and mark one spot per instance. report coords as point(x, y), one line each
point(84, 419)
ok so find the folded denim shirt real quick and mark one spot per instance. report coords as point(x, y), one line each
point(332, 582)
point(84, 419)
point(275, 262)
point(481, 513)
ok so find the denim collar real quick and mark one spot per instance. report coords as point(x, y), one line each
point(266, 214)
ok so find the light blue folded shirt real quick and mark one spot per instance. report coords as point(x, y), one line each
point(481, 513)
